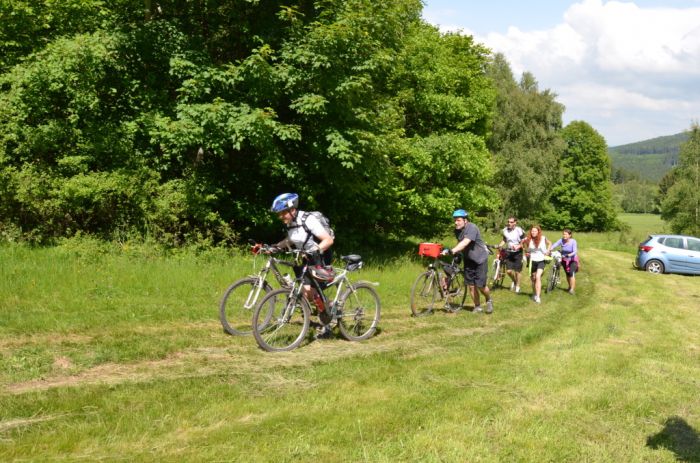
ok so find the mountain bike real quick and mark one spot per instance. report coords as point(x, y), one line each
point(555, 273)
point(241, 297)
point(441, 285)
point(282, 318)
point(498, 267)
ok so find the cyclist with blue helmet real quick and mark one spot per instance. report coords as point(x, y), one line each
point(305, 232)
point(475, 257)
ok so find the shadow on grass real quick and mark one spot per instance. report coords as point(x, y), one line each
point(678, 437)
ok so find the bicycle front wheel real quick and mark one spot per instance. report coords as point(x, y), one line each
point(552, 282)
point(424, 294)
point(360, 312)
point(237, 305)
point(281, 321)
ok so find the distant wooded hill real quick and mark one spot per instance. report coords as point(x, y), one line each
point(651, 159)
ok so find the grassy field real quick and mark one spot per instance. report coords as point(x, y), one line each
point(112, 353)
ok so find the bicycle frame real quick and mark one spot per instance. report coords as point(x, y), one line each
point(271, 265)
point(436, 280)
point(339, 281)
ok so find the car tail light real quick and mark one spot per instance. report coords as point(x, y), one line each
point(645, 248)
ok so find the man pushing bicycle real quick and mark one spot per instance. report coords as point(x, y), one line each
point(306, 232)
point(512, 236)
point(475, 257)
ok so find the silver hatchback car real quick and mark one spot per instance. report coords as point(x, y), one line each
point(669, 254)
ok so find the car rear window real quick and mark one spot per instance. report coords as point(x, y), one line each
point(646, 241)
point(693, 244)
point(673, 242)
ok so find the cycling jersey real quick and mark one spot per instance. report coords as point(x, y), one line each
point(298, 235)
point(513, 237)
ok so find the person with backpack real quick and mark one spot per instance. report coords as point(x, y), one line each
point(311, 233)
point(475, 255)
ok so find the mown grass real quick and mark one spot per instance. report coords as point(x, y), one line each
point(117, 354)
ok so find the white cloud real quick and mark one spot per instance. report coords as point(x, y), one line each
point(608, 60)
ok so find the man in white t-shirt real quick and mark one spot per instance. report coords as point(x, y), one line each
point(305, 232)
point(512, 237)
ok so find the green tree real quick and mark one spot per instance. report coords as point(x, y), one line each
point(637, 196)
point(681, 204)
point(442, 99)
point(525, 142)
point(183, 119)
point(582, 199)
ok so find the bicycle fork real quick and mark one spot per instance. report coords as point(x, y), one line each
point(254, 293)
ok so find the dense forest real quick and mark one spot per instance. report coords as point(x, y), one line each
point(649, 159)
point(639, 168)
point(181, 120)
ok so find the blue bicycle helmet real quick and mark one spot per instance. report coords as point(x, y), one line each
point(285, 201)
point(460, 213)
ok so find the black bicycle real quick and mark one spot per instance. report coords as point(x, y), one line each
point(441, 285)
point(282, 318)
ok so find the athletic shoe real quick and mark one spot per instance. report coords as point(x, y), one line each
point(477, 309)
point(517, 290)
point(572, 292)
point(489, 306)
point(324, 332)
point(537, 299)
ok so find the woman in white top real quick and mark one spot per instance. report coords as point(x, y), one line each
point(537, 247)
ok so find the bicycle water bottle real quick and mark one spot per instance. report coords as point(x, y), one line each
point(319, 302)
point(287, 280)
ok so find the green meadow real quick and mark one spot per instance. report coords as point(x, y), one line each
point(113, 352)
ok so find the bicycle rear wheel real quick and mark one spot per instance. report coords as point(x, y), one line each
point(237, 305)
point(360, 312)
point(424, 293)
point(456, 293)
point(281, 321)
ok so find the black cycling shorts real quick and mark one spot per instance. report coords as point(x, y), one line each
point(514, 260)
point(536, 266)
point(475, 274)
point(570, 269)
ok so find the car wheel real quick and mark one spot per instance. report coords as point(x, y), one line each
point(655, 266)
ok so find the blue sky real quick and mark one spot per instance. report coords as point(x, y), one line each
point(629, 68)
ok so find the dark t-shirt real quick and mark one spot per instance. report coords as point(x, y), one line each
point(476, 251)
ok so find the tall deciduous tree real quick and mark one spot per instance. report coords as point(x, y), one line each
point(184, 118)
point(681, 205)
point(582, 199)
point(525, 142)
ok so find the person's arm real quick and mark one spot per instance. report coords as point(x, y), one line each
point(317, 230)
point(284, 244)
point(574, 247)
point(326, 241)
point(558, 243)
point(461, 245)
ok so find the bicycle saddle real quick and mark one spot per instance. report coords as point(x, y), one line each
point(352, 258)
